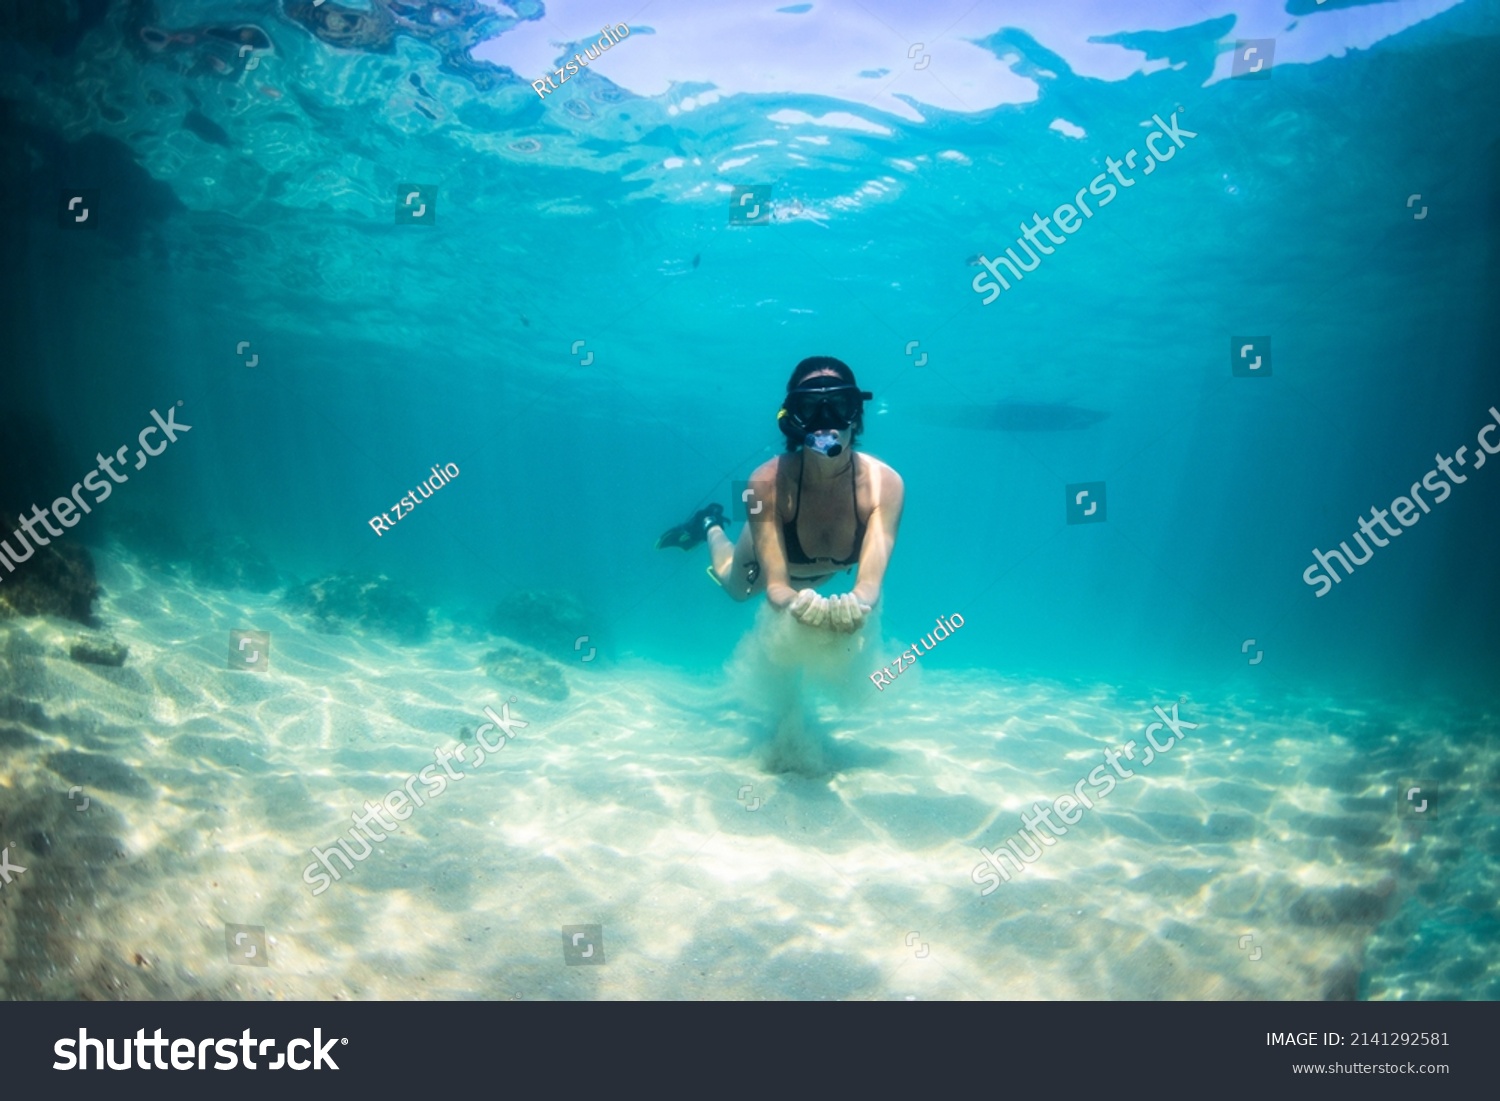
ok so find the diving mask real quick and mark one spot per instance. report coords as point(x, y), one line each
point(820, 408)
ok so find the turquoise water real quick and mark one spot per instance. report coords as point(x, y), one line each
point(250, 261)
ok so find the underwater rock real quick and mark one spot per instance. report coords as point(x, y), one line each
point(521, 669)
point(99, 651)
point(232, 562)
point(550, 620)
point(223, 560)
point(57, 580)
point(157, 538)
point(341, 601)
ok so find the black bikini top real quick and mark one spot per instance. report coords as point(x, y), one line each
point(794, 552)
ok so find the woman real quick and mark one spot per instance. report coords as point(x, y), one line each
point(833, 509)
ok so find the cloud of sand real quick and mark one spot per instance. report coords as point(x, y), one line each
point(795, 678)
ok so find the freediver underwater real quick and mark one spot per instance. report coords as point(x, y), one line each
point(820, 509)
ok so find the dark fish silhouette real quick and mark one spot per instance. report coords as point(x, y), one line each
point(696, 257)
point(1027, 416)
point(1016, 416)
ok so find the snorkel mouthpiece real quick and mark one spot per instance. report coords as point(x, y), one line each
point(824, 443)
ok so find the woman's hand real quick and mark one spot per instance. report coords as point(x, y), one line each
point(847, 612)
point(809, 608)
point(844, 613)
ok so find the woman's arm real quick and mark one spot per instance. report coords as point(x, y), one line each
point(770, 547)
point(889, 493)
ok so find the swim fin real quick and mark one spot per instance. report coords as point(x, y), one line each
point(693, 531)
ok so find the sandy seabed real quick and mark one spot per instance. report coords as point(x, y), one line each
point(1262, 857)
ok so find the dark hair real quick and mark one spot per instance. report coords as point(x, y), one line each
point(814, 365)
point(817, 365)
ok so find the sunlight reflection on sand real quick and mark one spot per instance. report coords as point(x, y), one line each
point(640, 804)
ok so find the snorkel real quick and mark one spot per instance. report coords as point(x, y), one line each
point(824, 443)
